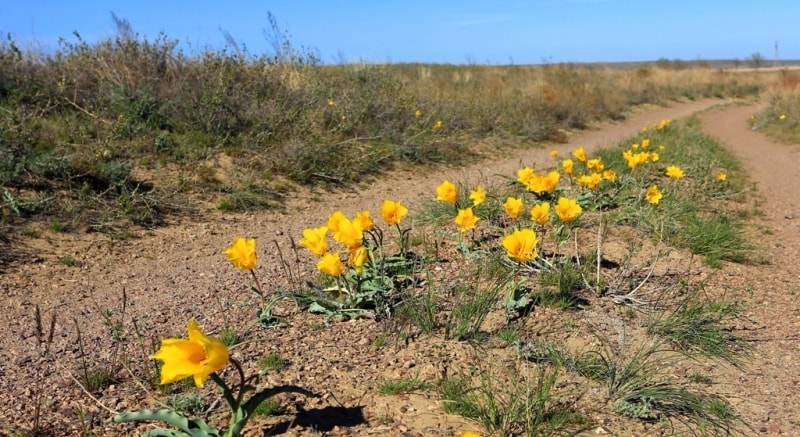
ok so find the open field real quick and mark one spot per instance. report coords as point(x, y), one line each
point(667, 305)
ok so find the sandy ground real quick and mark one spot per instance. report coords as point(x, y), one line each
point(170, 274)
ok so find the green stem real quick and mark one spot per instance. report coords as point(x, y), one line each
point(402, 240)
point(258, 286)
point(226, 392)
point(242, 381)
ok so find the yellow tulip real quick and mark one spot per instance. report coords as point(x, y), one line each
point(330, 264)
point(447, 192)
point(525, 175)
point(590, 181)
point(521, 245)
point(358, 258)
point(466, 220)
point(349, 234)
point(540, 213)
point(393, 212)
point(568, 166)
point(567, 209)
point(364, 221)
point(513, 207)
point(674, 172)
point(315, 240)
point(579, 154)
point(198, 357)
point(334, 219)
point(653, 195)
point(544, 183)
point(595, 164)
point(242, 253)
point(477, 196)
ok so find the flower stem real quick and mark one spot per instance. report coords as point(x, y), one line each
point(258, 286)
point(241, 382)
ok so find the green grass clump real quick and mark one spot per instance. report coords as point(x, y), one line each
point(187, 403)
point(700, 326)
point(719, 238)
point(508, 404)
point(268, 407)
point(272, 363)
point(397, 386)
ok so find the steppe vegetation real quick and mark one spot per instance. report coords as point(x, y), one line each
point(128, 133)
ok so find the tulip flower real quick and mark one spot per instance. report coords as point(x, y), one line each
point(242, 253)
point(198, 357)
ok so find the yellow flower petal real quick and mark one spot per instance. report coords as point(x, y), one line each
point(331, 264)
point(513, 207)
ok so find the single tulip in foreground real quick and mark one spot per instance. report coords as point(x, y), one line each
point(198, 357)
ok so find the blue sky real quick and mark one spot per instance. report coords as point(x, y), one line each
point(465, 31)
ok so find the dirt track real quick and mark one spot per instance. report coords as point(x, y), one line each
point(767, 390)
point(177, 272)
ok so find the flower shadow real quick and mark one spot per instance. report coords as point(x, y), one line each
point(321, 419)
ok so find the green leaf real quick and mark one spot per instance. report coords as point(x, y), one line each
point(246, 411)
point(190, 428)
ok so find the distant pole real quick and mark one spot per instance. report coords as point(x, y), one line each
point(776, 54)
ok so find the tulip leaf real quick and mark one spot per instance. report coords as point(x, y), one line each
point(188, 427)
point(246, 410)
point(517, 302)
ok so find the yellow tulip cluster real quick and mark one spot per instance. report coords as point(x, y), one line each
point(596, 170)
point(349, 233)
point(662, 124)
point(465, 218)
point(539, 184)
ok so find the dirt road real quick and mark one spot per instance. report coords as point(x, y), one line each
point(766, 391)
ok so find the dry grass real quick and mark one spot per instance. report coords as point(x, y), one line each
point(83, 121)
